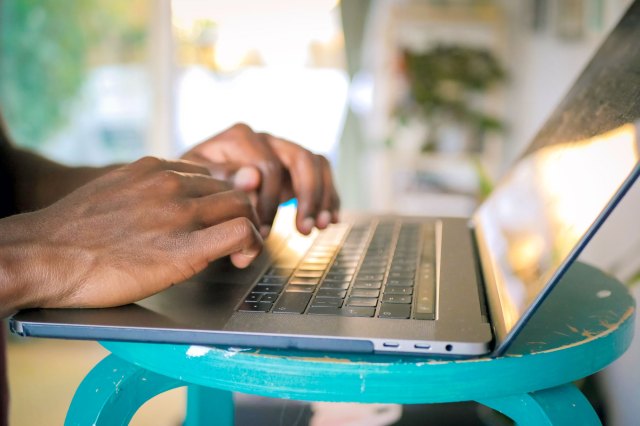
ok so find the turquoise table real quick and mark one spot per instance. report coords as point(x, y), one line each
point(585, 325)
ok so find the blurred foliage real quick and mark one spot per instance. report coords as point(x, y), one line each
point(46, 49)
point(445, 83)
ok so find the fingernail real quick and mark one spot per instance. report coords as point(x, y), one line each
point(308, 224)
point(324, 218)
point(265, 230)
point(244, 178)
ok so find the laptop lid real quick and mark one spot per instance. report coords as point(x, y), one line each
point(556, 196)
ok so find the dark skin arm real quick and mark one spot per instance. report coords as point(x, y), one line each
point(40, 182)
point(135, 230)
point(124, 236)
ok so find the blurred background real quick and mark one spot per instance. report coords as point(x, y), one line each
point(419, 104)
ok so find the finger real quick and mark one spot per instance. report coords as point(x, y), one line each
point(271, 181)
point(237, 237)
point(225, 206)
point(197, 185)
point(245, 178)
point(306, 179)
point(183, 166)
point(330, 203)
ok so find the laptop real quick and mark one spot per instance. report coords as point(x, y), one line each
point(413, 285)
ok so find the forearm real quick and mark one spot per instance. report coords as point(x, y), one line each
point(40, 182)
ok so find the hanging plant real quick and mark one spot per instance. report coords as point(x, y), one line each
point(445, 85)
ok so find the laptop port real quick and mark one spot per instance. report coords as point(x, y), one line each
point(423, 346)
point(390, 344)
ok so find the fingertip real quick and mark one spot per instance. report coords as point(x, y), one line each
point(247, 178)
point(241, 260)
point(323, 219)
point(335, 216)
point(306, 226)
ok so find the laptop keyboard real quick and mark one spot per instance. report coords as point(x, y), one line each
point(384, 270)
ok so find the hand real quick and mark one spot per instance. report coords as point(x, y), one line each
point(127, 235)
point(274, 170)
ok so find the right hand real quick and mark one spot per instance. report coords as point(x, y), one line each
point(127, 235)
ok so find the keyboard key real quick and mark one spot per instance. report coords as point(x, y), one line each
point(423, 316)
point(400, 283)
point(327, 301)
point(373, 270)
point(368, 277)
point(345, 263)
point(302, 273)
point(253, 297)
point(358, 292)
point(399, 290)
point(324, 310)
point(279, 272)
point(406, 275)
point(255, 307)
point(342, 270)
point(335, 285)
point(269, 297)
point(292, 302)
point(392, 310)
point(300, 289)
point(304, 281)
point(317, 260)
point(363, 301)
point(368, 284)
point(357, 311)
point(267, 288)
point(313, 267)
point(273, 280)
point(338, 277)
point(395, 298)
point(328, 292)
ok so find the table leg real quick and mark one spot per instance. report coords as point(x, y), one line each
point(113, 391)
point(209, 406)
point(562, 405)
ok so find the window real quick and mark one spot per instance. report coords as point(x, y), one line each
point(74, 79)
point(275, 65)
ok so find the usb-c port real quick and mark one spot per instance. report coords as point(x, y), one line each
point(391, 344)
point(423, 346)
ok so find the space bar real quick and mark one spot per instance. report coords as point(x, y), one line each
point(292, 303)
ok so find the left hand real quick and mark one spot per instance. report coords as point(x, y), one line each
point(275, 170)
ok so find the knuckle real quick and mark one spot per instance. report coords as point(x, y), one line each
point(323, 160)
point(169, 180)
point(149, 162)
point(270, 167)
point(243, 227)
point(242, 129)
point(190, 207)
point(304, 158)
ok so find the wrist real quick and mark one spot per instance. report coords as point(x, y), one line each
point(24, 277)
point(14, 256)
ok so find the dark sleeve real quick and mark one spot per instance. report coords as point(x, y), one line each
point(7, 181)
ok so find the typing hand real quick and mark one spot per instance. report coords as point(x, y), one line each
point(273, 170)
point(127, 235)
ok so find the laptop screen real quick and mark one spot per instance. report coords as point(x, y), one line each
point(540, 216)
